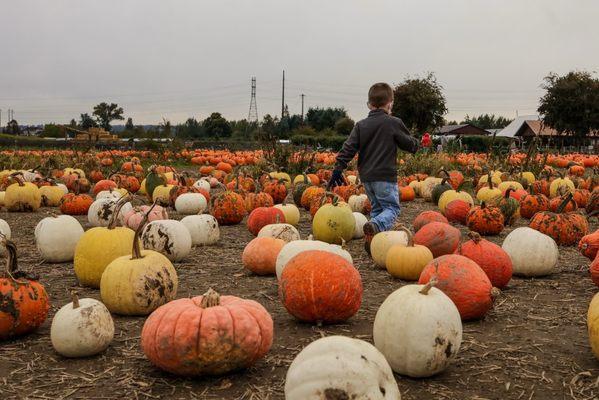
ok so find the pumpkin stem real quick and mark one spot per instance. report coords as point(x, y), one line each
point(12, 266)
point(210, 299)
point(508, 191)
point(489, 178)
point(75, 298)
point(117, 210)
point(408, 234)
point(136, 252)
point(563, 204)
point(474, 236)
point(432, 282)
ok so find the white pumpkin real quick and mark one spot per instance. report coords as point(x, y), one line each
point(82, 328)
point(292, 249)
point(109, 194)
point(419, 330)
point(56, 238)
point(361, 220)
point(426, 190)
point(100, 211)
point(532, 252)
point(5, 230)
point(202, 228)
point(339, 367)
point(168, 237)
point(291, 212)
point(357, 202)
point(191, 203)
point(202, 184)
point(63, 187)
point(286, 232)
point(382, 242)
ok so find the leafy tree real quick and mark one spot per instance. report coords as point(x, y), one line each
point(73, 123)
point(87, 122)
point(165, 128)
point(269, 128)
point(192, 128)
point(487, 121)
point(344, 126)
point(129, 124)
point(217, 126)
point(322, 118)
point(571, 103)
point(294, 121)
point(13, 128)
point(420, 103)
point(106, 113)
point(53, 131)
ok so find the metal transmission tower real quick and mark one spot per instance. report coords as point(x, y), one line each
point(253, 113)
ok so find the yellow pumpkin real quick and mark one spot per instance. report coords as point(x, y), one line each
point(162, 194)
point(593, 325)
point(416, 185)
point(51, 195)
point(291, 212)
point(503, 186)
point(282, 176)
point(78, 171)
point(2, 194)
point(407, 262)
point(450, 195)
point(142, 187)
point(334, 222)
point(138, 283)
point(97, 248)
point(6, 172)
point(382, 242)
point(528, 177)
point(495, 178)
point(22, 196)
point(559, 184)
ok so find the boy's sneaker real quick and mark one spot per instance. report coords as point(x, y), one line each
point(370, 230)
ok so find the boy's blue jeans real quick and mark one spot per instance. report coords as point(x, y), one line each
point(384, 198)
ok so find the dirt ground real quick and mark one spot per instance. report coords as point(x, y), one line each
point(532, 345)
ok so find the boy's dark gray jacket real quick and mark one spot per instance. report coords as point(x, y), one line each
point(376, 140)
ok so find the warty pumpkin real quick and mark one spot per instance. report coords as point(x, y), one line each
point(317, 286)
point(418, 329)
point(565, 228)
point(218, 334)
point(228, 208)
point(492, 259)
point(532, 204)
point(464, 282)
point(24, 302)
point(589, 245)
point(486, 220)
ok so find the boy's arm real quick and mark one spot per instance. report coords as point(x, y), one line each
point(349, 150)
point(404, 140)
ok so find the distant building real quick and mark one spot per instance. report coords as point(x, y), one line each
point(461, 130)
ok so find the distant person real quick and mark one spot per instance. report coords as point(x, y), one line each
point(376, 140)
point(426, 142)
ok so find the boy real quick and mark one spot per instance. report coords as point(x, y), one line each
point(376, 140)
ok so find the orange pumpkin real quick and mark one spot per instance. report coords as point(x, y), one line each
point(426, 217)
point(532, 204)
point(457, 211)
point(440, 238)
point(565, 228)
point(75, 204)
point(486, 220)
point(319, 286)
point(407, 193)
point(228, 208)
point(262, 216)
point(555, 203)
point(463, 281)
point(255, 200)
point(309, 194)
point(105, 184)
point(260, 255)
point(496, 263)
point(207, 335)
point(277, 190)
point(589, 245)
point(24, 302)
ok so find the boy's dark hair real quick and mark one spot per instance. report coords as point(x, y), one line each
point(380, 94)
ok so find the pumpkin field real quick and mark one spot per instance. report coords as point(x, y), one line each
point(216, 274)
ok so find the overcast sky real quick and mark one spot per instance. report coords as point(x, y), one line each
point(176, 59)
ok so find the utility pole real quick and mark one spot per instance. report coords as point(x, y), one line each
point(283, 98)
point(302, 96)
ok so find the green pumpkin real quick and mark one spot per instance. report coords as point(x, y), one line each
point(299, 189)
point(153, 180)
point(510, 208)
point(439, 190)
point(334, 223)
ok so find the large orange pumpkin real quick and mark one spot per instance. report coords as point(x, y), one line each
point(532, 204)
point(255, 200)
point(565, 228)
point(319, 286)
point(75, 204)
point(486, 220)
point(426, 217)
point(463, 281)
point(24, 302)
point(457, 211)
point(439, 237)
point(277, 190)
point(207, 335)
point(496, 263)
point(228, 208)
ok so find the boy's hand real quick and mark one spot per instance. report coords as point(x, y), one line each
point(336, 179)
